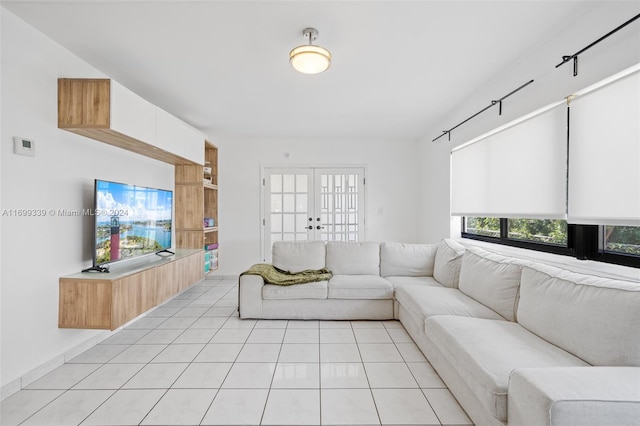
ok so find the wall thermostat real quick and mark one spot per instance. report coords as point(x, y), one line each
point(23, 146)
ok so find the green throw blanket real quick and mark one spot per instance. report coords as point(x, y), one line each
point(273, 275)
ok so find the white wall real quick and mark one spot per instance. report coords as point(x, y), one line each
point(614, 54)
point(392, 188)
point(36, 251)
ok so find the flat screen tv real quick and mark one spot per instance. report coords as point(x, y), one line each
point(130, 221)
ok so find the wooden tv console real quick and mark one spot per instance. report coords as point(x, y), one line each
point(109, 300)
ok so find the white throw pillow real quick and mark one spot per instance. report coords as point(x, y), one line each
point(492, 280)
point(407, 260)
point(446, 268)
point(298, 256)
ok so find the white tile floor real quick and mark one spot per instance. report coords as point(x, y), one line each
point(193, 361)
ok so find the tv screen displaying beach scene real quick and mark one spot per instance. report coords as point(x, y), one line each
point(130, 221)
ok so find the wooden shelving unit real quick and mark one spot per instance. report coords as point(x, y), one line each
point(189, 198)
point(210, 185)
point(104, 110)
point(197, 194)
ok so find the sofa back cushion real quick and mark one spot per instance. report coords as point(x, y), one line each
point(492, 280)
point(351, 258)
point(447, 263)
point(407, 260)
point(596, 319)
point(297, 256)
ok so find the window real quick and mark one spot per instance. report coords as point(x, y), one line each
point(544, 231)
point(487, 226)
point(578, 163)
point(621, 240)
point(547, 235)
point(611, 244)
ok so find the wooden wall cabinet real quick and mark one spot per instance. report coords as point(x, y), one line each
point(104, 110)
point(107, 301)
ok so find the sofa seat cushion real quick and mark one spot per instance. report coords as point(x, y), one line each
point(317, 290)
point(423, 302)
point(359, 287)
point(419, 281)
point(486, 351)
point(576, 396)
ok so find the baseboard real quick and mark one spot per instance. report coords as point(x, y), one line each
point(211, 276)
point(44, 369)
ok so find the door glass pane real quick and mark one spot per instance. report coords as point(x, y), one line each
point(288, 224)
point(288, 183)
point(301, 202)
point(276, 183)
point(276, 202)
point(301, 183)
point(288, 204)
point(276, 223)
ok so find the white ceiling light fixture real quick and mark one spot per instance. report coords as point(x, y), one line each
point(310, 59)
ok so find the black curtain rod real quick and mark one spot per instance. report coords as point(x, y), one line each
point(493, 103)
point(566, 59)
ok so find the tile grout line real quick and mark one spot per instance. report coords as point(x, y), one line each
point(150, 362)
point(366, 374)
point(145, 365)
point(210, 297)
point(89, 374)
point(266, 401)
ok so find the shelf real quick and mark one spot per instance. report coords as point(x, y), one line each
point(211, 229)
point(124, 269)
point(210, 186)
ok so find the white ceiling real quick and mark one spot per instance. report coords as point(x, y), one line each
point(223, 66)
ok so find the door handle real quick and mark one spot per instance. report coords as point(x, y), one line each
point(319, 227)
point(308, 227)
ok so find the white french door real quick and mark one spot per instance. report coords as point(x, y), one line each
point(310, 203)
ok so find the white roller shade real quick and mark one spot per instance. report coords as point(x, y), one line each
point(604, 152)
point(517, 170)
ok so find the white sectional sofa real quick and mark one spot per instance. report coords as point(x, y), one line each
point(516, 342)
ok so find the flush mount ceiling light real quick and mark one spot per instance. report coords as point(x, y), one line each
point(310, 59)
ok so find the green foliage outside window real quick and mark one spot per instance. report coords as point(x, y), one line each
point(535, 230)
point(539, 230)
point(622, 239)
point(617, 239)
point(487, 226)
